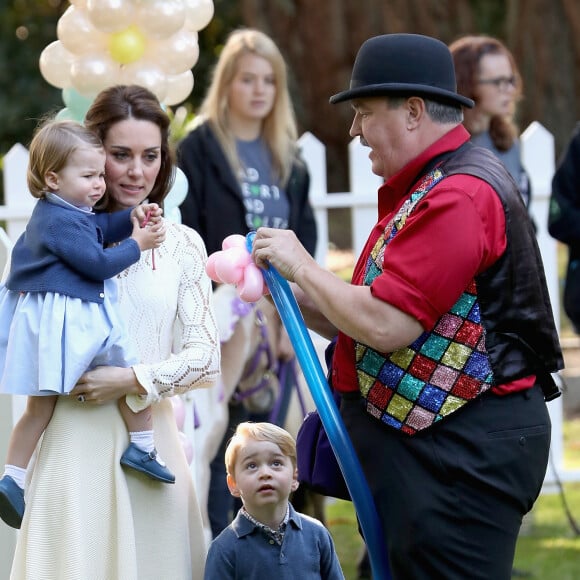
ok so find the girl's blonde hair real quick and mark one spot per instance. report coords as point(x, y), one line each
point(279, 127)
point(52, 145)
point(259, 432)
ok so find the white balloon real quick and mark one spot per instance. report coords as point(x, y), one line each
point(55, 62)
point(176, 54)
point(160, 18)
point(77, 34)
point(178, 88)
point(199, 13)
point(110, 15)
point(67, 115)
point(146, 75)
point(175, 197)
point(92, 73)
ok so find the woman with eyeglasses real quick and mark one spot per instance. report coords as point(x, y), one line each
point(486, 72)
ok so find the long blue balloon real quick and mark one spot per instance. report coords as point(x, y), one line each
point(329, 415)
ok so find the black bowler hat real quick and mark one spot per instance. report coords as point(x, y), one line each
point(403, 64)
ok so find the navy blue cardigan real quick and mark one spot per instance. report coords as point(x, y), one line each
point(62, 251)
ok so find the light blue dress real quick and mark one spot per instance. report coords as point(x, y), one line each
point(48, 340)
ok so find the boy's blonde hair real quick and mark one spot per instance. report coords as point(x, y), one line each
point(53, 143)
point(259, 432)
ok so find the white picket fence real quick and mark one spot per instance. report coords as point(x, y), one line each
point(538, 158)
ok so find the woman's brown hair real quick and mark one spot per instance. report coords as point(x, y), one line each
point(467, 53)
point(122, 102)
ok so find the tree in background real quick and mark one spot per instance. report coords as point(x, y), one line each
point(319, 40)
point(26, 27)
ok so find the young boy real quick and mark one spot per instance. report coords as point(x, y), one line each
point(268, 538)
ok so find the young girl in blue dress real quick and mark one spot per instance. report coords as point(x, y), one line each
point(57, 311)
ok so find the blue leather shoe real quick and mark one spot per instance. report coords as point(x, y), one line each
point(146, 463)
point(11, 502)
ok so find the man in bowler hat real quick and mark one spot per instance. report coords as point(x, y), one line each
point(446, 339)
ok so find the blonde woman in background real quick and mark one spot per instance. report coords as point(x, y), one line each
point(243, 154)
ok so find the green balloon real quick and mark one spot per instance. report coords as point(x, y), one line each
point(65, 115)
point(78, 104)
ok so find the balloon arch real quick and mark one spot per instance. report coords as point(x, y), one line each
point(101, 43)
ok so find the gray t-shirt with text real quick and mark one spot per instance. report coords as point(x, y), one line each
point(266, 203)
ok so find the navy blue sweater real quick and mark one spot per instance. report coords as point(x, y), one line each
point(63, 250)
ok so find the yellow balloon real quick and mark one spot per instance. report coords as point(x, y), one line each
point(127, 46)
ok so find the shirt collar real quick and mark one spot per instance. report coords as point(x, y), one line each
point(57, 200)
point(244, 524)
point(397, 187)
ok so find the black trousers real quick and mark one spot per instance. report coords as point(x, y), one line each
point(451, 498)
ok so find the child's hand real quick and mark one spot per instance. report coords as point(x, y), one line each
point(150, 236)
point(147, 211)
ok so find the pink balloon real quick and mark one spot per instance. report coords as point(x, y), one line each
point(234, 241)
point(230, 264)
point(251, 288)
point(233, 265)
point(178, 411)
point(187, 447)
point(210, 267)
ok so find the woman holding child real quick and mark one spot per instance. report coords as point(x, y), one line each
point(86, 518)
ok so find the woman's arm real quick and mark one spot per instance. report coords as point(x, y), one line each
point(189, 158)
point(103, 384)
point(302, 219)
point(196, 359)
point(191, 324)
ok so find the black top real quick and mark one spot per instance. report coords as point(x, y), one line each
point(214, 205)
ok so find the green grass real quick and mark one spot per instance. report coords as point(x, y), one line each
point(547, 550)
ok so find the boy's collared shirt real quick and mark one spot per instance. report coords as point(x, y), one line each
point(276, 535)
point(242, 551)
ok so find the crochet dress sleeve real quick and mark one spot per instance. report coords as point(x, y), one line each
point(170, 314)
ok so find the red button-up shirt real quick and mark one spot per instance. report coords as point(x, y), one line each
point(454, 233)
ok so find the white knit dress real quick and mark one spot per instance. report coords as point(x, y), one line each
point(87, 518)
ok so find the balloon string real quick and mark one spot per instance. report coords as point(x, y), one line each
point(145, 222)
point(331, 420)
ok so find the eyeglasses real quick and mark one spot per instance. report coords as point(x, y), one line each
point(501, 83)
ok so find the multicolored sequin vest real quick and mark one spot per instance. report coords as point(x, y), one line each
point(412, 388)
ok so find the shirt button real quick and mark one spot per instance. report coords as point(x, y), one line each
point(102, 295)
point(271, 542)
point(522, 441)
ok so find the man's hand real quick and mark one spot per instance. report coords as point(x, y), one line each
point(281, 249)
